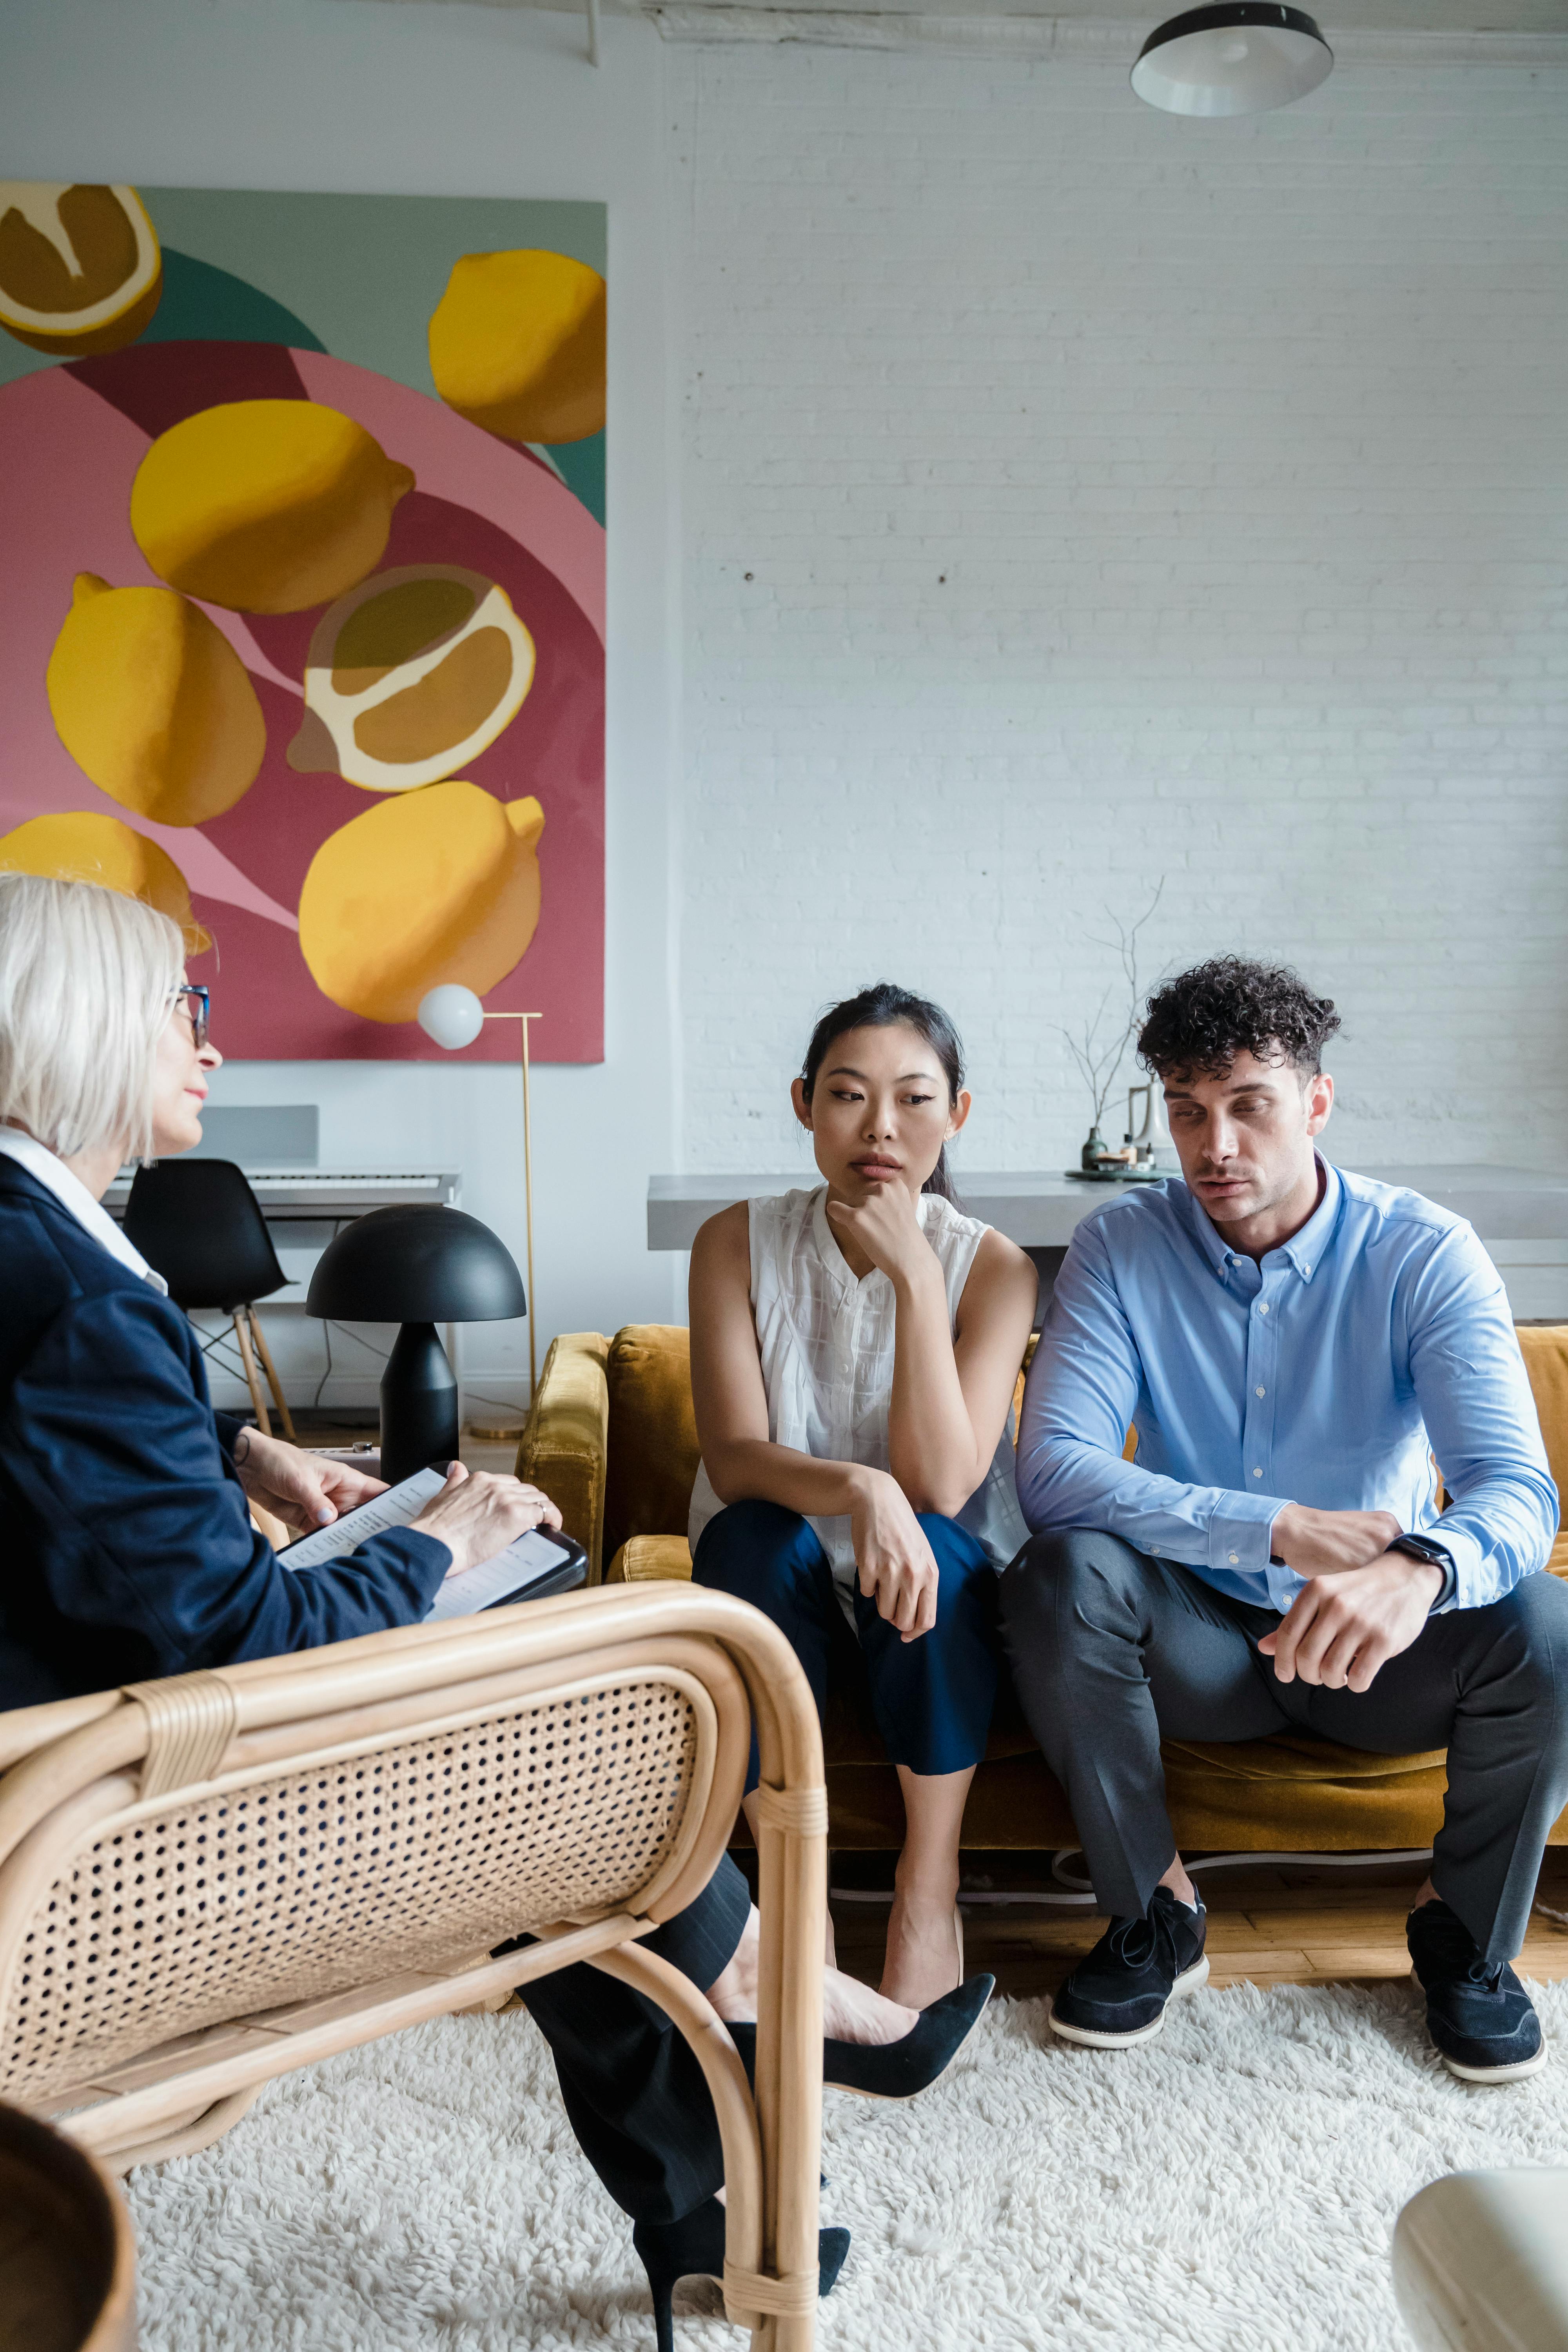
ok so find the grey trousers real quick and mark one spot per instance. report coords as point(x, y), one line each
point(1109, 1649)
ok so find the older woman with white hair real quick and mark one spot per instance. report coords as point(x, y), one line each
point(130, 1552)
point(131, 1548)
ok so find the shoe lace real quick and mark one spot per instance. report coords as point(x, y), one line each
point(1134, 1942)
point(1455, 1948)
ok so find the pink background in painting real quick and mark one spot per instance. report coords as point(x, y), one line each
point(75, 436)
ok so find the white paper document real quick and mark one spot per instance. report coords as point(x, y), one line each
point(528, 1561)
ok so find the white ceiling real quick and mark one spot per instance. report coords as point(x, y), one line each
point(1342, 17)
point(1113, 24)
point(1334, 15)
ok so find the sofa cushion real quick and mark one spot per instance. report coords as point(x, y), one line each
point(1225, 1800)
point(653, 1452)
point(651, 1559)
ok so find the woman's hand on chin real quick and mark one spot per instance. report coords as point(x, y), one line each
point(897, 1566)
point(885, 1225)
point(302, 1489)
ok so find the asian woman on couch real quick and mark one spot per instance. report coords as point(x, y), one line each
point(854, 1352)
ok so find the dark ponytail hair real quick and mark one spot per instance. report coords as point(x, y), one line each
point(885, 1007)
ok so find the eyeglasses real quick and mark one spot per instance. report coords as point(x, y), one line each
point(196, 1005)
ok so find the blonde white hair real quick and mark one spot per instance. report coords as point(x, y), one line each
point(87, 976)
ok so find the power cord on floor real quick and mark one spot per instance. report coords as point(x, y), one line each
point(1227, 1862)
point(1086, 1900)
point(1267, 1861)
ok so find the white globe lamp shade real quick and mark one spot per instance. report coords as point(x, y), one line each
point(1240, 56)
point(451, 1014)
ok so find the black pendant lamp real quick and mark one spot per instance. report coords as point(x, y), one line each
point(1240, 56)
point(417, 1266)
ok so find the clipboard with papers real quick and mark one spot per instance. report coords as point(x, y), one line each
point(538, 1563)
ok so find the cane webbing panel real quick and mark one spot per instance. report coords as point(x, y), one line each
point(300, 1887)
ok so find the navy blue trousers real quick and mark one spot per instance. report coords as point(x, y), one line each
point(636, 2098)
point(933, 1699)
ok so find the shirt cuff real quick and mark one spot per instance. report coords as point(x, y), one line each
point(1467, 1554)
point(228, 1429)
point(1239, 1531)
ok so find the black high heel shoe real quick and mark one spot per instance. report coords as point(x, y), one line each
point(693, 2247)
point(894, 2069)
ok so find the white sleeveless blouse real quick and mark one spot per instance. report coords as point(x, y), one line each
point(826, 1347)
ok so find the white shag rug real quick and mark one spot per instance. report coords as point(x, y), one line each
point(1228, 2187)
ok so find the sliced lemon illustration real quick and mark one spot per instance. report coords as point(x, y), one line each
point(517, 344)
point(410, 677)
point(153, 702)
point(266, 506)
point(81, 267)
point(433, 885)
point(85, 847)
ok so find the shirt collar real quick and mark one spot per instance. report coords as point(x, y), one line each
point(1304, 1249)
point(71, 1194)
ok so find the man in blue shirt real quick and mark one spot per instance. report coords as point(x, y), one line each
point(1292, 1344)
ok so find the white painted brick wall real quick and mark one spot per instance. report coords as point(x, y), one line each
point(1074, 496)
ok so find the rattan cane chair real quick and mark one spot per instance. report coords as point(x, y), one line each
point(212, 1880)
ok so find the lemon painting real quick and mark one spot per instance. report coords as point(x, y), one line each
point(303, 558)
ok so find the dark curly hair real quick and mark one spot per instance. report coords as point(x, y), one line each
point(1197, 1023)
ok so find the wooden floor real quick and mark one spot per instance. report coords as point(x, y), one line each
point(1291, 1926)
point(478, 1452)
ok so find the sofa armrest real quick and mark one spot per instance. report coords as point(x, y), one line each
point(651, 1559)
point(565, 1441)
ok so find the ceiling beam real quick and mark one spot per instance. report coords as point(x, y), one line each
point(1109, 40)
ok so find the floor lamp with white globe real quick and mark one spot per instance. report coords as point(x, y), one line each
point(452, 1016)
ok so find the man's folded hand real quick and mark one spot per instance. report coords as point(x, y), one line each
point(1322, 1543)
point(1341, 1628)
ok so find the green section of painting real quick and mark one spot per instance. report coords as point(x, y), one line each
point(359, 274)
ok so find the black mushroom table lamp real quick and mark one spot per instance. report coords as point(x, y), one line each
point(418, 1265)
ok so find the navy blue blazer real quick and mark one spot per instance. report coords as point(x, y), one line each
point(126, 1547)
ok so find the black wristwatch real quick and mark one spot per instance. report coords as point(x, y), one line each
point(1423, 1548)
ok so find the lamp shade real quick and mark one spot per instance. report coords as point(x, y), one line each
point(1241, 57)
point(451, 1014)
point(418, 1264)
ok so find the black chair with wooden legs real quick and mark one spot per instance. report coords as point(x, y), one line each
point(198, 1223)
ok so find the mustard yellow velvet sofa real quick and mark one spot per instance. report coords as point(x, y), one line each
point(612, 1438)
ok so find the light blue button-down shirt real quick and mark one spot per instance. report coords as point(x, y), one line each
point(1328, 1375)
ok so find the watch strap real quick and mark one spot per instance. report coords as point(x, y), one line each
point(1425, 1548)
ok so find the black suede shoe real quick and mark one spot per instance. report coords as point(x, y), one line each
point(1477, 2013)
point(894, 2069)
point(1117, 1995)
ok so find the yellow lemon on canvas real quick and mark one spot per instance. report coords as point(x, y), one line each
point(266, 506)
point(153, 702)
point(80, 269)
point(431, 885)
point(85, 847)
point(410, 677)
point(517, 344)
